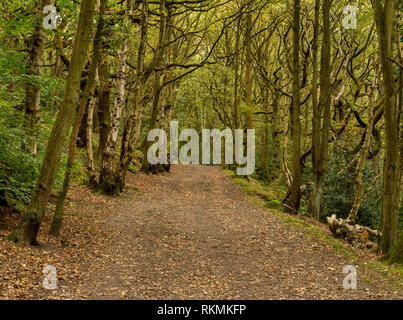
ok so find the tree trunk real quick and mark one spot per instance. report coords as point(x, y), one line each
point(275, 135)
point(359, 189)
point(236, 78)
point(314, 201)
point(103, 109)
point(284, 166)
point(163, 39)
point(92, 178)
point(320, 146)
point(28, 229)
point(384, 16)
point(396, 253)
point(248, 67)
point(106, 180)
point(265, 160)
point(292, 202)
point(133, 125)
point(59, 211)
point(32, 91)
point(153, 120)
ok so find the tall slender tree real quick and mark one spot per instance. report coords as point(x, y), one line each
point(293, 199)
point(106, 179)
point(384, 17)
point(28, 229)
point(32, 90)
point(320, 129)
point(92, 70)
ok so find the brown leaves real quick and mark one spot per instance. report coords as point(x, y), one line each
point(173, 238)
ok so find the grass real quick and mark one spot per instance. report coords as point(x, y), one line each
point(266, 195)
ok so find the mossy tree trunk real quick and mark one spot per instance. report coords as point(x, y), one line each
point(320, 130)
point(384, 17)
point(265, 156)
point(292, 201)
point(275, 131)
point(28, 229)
point(359, 189)
point(103, 107)
point(89, 148)
point(32, 90)
point(161, 50)
point(107, 183)
point(132, 128)
point(59, 212)
point(396, 253)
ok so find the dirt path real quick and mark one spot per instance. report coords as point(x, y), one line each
point(192, 234)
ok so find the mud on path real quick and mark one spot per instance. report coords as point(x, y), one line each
point(192, 234)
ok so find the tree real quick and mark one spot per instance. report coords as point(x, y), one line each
point(33, 93)
point(59, 211)
point(28, 229)
point(157, 89)
point(322, 109)
point(106, 179)
point(294, 194)
point(359, 189)
point(396, 253)
point(384, 18)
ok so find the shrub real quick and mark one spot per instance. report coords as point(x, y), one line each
point(339, 190)
point(18, 169)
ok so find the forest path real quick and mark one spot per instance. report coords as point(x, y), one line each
point(192, 234)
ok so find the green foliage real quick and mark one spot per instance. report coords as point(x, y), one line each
point(18, 169)
point(273, 204)
point(338, 195)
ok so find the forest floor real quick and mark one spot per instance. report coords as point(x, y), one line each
point(189, 234)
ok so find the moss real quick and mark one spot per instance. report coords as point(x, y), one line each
point(228, 172)
point(274, 193)
point(240, 181)
point(273, 204)
point(396, 254)
point(132, 168)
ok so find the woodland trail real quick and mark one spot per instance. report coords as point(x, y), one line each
point(192, 234)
